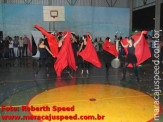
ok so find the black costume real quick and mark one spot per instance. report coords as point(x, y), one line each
point(42, 60)
point(75, 50)
point(131, 58)
point(108, 57)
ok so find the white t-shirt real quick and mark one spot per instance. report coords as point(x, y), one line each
point(11, 44)
point(21, 43)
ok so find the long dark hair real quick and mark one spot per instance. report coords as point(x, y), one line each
point(40, 41)
point(76, 40)
point(84, 37)
point(130, 38)
point(74, 35)
point(107, 38)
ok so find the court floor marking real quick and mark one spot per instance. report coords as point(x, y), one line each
point(87, 100)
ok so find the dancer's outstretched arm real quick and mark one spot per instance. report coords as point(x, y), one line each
point(62, 39)
point(124, 46)
point(80, 47)
point(42, 30)
point(90, 36)
point(139, 39)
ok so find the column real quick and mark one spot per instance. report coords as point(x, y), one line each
point(157, 14)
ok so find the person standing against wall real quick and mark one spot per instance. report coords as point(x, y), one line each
point(100, 43)
point(11, 48)
point(6, 47)
point(21, 47)
point(95, 44)
point(149, 41)
point(25, 42)
point(1, 48)
point(75, 47)
point(115, 39)
point(16, 43)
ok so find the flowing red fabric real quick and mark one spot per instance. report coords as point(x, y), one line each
point(111, 48)
point(89, 54)
point(65, 56)
point(142, 51)
point(29, 44)
point(52, 41)
point(64, 33)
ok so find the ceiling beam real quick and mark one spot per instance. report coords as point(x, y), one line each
point(115, 3)
point(108, 3)
point(68, 2)
point(73, 3)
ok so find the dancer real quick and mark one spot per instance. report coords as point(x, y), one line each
point(75, 47)
point(84, 63)
point(61, 40)
point(52, 41)
point(88, 54)
point(109, 51)
point(65, 56)
point(131, 58)
point(43, 57)
point(60, 43)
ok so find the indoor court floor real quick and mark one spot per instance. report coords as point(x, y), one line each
point(99, 93)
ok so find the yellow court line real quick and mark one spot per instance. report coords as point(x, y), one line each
point(83, 100)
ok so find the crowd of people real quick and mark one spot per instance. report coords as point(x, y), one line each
point(13, 47)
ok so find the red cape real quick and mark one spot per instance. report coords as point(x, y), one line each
point(112, 49)
point(142, 51)
point(65, 56)
point(89, 54)
point(52, 41)
point(64, 33)
point(29, 44)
